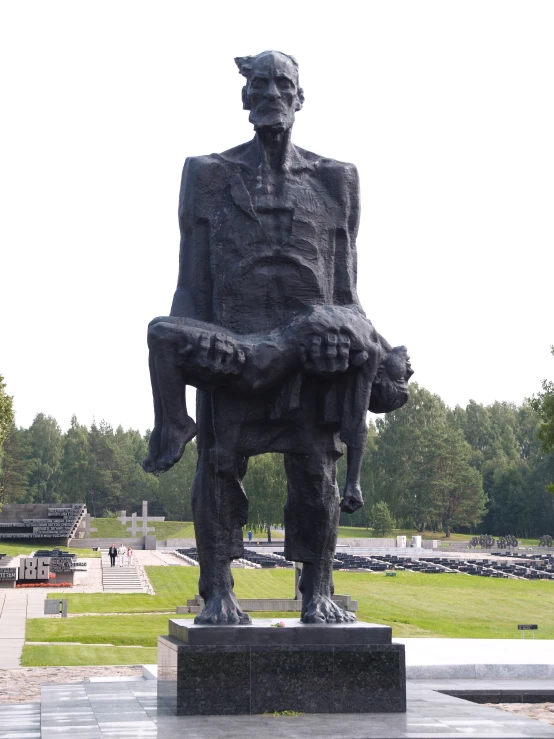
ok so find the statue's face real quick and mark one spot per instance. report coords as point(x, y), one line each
point(398, 365)
point(272, 93)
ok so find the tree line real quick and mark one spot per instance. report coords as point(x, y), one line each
point(474, 469)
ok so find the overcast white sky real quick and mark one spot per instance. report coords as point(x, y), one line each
point(446, 108)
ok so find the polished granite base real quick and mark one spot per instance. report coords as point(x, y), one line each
point(256, 669)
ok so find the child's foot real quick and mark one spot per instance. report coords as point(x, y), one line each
point(173, 439)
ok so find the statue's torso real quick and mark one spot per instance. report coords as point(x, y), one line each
point(270, 253)
point(271, 245)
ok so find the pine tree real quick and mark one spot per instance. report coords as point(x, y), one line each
point(381, 520)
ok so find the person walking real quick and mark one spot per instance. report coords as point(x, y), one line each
point(121, 551)
point(130, 556)
point(250, 537)
point(112, 551)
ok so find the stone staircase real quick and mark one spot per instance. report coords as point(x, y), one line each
point(118, 579)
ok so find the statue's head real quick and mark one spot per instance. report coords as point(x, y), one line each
point(271, 92)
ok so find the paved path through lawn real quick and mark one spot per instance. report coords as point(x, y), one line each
point(15, 607)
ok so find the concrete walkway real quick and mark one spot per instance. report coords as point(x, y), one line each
point(16, 606)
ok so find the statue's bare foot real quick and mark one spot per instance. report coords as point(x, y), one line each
point(352, 498)
point(173, 439)
point(321, 609)
point(149, 464)
point(222, 610)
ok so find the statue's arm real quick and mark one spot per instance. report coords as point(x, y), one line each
point(346, 186)
point(192, 297)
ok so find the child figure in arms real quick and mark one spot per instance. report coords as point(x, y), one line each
point(331, 342)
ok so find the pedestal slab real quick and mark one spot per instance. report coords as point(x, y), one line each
point(260, 668)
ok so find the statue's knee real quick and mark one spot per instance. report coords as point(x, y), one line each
point(156, 333)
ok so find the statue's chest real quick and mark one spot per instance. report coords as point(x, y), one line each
point(271, 253)
point(291, 218)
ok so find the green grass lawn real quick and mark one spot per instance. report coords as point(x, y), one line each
point(414, 604)
point(112, 527)
point(41, 655)
point(23, 546)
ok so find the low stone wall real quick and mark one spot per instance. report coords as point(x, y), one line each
point(284, 605)
point(178, 543)
point(368, 542)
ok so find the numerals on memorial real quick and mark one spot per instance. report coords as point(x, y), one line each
point(34, 568)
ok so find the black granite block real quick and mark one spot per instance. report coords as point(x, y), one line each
point(203, 680)
point(217, 681)
point(262, 632)
point(291, 679)
point(375, 675)
point(266, 678)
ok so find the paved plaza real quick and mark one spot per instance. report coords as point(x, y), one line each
point(128, 708)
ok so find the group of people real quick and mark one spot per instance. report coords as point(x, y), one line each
point(120, 552)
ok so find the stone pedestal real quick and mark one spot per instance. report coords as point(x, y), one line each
point(341, 668)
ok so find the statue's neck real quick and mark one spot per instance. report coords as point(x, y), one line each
point(274, 150)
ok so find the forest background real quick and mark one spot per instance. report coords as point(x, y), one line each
point(469, 470)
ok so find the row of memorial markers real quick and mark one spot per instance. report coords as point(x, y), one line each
point(474, 469)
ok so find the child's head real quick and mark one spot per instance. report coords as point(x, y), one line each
point(397, 365)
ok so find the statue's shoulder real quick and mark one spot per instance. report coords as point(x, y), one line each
point(328, 168)
point(199, 165)
point(340, 178)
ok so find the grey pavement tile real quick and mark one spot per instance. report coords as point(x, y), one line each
point(120, 733)
point(54, 710)
point(81, 721)
point(132, 717)
point(20, 734)
point(83, 733)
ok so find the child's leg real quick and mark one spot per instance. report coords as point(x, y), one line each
point(173, 427)
point(354, 432)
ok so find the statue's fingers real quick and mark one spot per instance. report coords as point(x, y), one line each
point(204, 344)
point(343, 352)
point(331, 351)
point(222, 351)
point(315, 353)
point(304, 359)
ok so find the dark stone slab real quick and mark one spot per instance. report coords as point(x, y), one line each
point(295, 633)
point(239, 679)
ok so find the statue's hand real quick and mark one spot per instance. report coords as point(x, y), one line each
point(326, 354)
point(335, 339)
point(352, 499)
point(216, 352)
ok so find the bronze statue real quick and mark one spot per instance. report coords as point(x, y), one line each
point(266, 323)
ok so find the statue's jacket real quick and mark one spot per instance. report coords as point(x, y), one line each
point(254, 254)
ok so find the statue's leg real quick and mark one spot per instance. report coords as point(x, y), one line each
point(311, 527)
point(173, 427)
point(220, 510)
